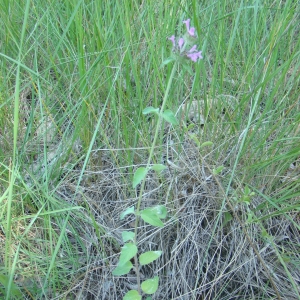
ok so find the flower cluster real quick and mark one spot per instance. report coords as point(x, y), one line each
point(182, 43)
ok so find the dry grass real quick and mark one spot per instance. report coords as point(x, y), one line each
point(202, 258)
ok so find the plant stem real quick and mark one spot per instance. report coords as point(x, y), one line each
point(158, 126)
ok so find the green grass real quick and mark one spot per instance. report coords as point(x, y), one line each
point(75, 77)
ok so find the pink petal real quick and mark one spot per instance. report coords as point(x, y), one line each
point(195, 56)
point(180, 43)
point(192, 56)
point(193, 49)
point(191, 31)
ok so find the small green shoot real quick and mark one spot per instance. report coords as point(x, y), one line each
point(218, 170)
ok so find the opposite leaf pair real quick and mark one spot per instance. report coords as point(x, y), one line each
point(153, 217)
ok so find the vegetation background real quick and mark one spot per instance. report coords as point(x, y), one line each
point(75, 76)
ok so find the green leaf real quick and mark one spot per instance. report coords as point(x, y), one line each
point(206, 144)
point(150, 110)
point(159, 210)
point(245, 199)
point(128, 251)
point(227, 218)
point(149, 257)
point(151, 217)
point(14, 289)
point(132, 295)
point(250, 217)
point(170, 117)
point(127, 236)
point(158, 167)
point(190, 127)
point(138, 176)
point(167, 61)
point(4, 279)
point(150, 286)
point(123, 269)
point(218, 170)
point(247, 191)
point(128, 211)
point(195, 139)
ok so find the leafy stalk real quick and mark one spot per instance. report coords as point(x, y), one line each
point(158, 126)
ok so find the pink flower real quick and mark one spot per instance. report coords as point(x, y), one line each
point(190, 30)
point(193, 54)
point(181, 44)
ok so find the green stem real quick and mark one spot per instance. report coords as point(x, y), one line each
point(158, 126)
